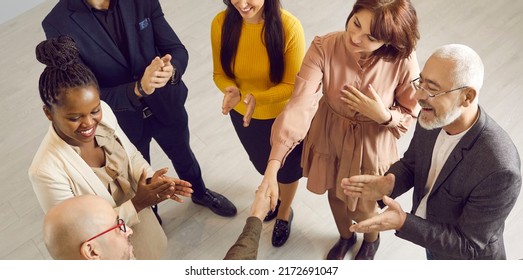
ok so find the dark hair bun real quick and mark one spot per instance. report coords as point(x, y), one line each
point(59, 52)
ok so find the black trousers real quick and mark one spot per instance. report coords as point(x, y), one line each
point(174, 141)
point(256, 140)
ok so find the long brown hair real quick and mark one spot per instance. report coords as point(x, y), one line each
point(395, 22)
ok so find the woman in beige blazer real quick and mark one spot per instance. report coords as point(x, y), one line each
point(86, 152)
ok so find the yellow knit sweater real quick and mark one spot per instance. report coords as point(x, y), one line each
point(252, 65)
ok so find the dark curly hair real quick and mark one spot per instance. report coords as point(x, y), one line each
point(64, 69)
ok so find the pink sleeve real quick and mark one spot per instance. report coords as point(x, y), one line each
point(293, 123)
point(405, 108)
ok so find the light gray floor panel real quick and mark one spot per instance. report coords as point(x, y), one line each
point(492, 28)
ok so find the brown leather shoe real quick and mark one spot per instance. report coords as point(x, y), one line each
point(368, 250)
point(340, 249)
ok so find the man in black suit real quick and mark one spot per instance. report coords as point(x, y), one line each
point(464, 168)
point(139, 61)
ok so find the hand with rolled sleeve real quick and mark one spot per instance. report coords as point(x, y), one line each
point(369, 105)
point(158, 189)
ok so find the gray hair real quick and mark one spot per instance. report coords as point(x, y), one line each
point(468, 70)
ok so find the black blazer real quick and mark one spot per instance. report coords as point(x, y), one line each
point(472, 196)
point(148, 35)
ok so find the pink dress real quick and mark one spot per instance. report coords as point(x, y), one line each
point(339, 142)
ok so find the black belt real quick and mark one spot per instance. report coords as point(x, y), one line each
point(146, 111)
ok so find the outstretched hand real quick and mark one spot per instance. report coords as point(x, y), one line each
point(392, 219)
point(262, 202)
point(368, 187)
point(270, 182)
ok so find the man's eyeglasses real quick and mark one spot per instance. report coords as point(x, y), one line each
point(119, 224)
point(417, 85)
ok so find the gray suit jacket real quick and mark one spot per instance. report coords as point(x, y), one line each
point(472, 196)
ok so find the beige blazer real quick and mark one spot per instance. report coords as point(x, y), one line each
point(58, 173)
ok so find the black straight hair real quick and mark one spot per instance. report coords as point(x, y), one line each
point(272, 36)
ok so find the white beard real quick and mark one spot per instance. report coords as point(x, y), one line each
point(440, 121)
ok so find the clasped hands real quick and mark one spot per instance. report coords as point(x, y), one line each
point(157, 74)
point(232, 97)
point(268, 190)
point(159, 188)
point(372, 187)
point(262, 202)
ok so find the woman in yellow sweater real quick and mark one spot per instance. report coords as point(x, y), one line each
point(257, 51)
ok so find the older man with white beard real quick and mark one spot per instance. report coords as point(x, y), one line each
point(464, 168)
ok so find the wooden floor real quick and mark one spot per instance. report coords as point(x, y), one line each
point(492, 28)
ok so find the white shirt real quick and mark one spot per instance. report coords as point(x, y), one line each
point(442, 149)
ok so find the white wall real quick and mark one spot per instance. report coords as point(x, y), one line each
point(12, 8)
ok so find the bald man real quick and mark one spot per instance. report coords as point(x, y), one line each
point(86, 228)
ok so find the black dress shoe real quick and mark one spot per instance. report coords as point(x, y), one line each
point(368, 250)
point(218, 203)
point(340, 249)
point(282, 230)
point(272, 214)
point(155, 211)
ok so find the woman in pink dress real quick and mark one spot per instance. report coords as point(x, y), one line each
point(352, 100)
